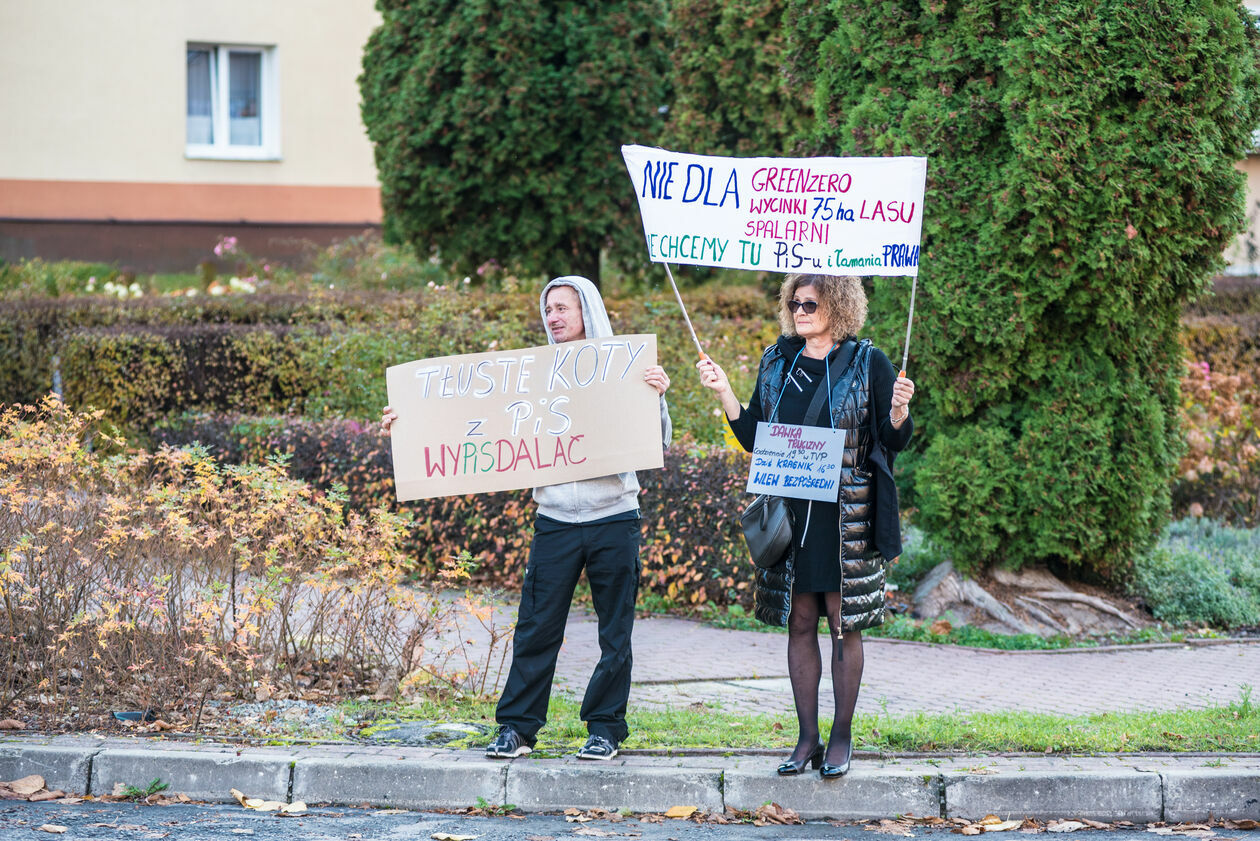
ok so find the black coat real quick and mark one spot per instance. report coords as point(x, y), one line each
point(869, 493)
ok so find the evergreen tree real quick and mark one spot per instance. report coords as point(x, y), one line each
point(498, 127)
point(1081, 189)
point(731, 97)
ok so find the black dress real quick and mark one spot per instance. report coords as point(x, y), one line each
point(817, 532)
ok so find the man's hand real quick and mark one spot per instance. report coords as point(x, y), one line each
point(657, 378)
point(388, 416)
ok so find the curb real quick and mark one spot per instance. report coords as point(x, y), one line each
point(1138, 788)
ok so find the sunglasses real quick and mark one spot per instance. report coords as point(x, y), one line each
point(809, 306)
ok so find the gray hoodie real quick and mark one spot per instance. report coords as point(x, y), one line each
point(591, 499)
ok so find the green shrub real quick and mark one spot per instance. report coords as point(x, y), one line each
point(1202, 573)
point(140, 376)
point(1081, 189)
point(497, 127)
point(52, 279)
point(367, 262)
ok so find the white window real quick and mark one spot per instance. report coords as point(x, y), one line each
point(233, 107)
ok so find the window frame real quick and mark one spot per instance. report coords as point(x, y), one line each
point(220, 92)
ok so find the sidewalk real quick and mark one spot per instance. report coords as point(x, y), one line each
point(1135, 788)
point(678, 663)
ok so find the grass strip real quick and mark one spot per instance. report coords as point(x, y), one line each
point(1230, 728)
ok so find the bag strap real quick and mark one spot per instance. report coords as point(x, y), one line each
point(848, 370)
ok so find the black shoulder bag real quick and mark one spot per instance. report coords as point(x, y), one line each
point(767, 521)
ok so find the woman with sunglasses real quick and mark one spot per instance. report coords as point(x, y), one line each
point(821, 575)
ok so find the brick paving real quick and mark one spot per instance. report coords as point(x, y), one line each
point(678, 662)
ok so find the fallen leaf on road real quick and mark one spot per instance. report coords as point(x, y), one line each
point(120, 790)
point(540, 838)
point(1002, 826)
point(12, 724)
point(161, 726)
point(1064, 826)
point(680, 811)
point(41, 796)
point(446, 836)
point(1096, 824)
point(51, 827)
point(773, 813)
point(239, 831)
point(579, 818)
point(1242, 824)
point(391, 812)
point(26, 786)
point(971, 829)
point(593, 832)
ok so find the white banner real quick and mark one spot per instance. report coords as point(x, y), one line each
point(845, 216)
point(802, 462)
point(520, 418)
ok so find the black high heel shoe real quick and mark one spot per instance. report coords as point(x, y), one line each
point(831, 772)
point(793, 767)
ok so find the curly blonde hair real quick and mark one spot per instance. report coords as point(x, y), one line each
point(841, 301)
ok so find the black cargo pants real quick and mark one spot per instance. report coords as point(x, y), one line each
point(609, 551)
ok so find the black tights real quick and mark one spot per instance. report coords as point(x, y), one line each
point(805, 671)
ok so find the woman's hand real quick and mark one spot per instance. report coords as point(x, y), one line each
point(903, 391)
point(712, 376)
point(388, 416)
point(657, 378)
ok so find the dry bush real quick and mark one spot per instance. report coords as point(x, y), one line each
point(1219, 474)
point(160, 579)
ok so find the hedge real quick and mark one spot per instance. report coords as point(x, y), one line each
point(33, 329)
point(692, 551)
point(324, 359)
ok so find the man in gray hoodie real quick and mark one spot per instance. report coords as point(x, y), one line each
point(591, 524)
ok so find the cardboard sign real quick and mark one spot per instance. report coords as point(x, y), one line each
point(840, 216)
point(517, 419)
point(802, 462)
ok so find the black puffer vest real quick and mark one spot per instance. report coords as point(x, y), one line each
point(861, 564)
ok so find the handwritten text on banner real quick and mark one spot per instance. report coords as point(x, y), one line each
point(802, 462)
point(857, 216)
point(516, 419)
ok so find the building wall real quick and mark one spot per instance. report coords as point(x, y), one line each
point(1240, 263)
point(94, 101)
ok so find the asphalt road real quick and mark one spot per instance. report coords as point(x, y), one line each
point(192, 822)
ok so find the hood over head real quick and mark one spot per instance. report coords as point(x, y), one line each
point(594, 316)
